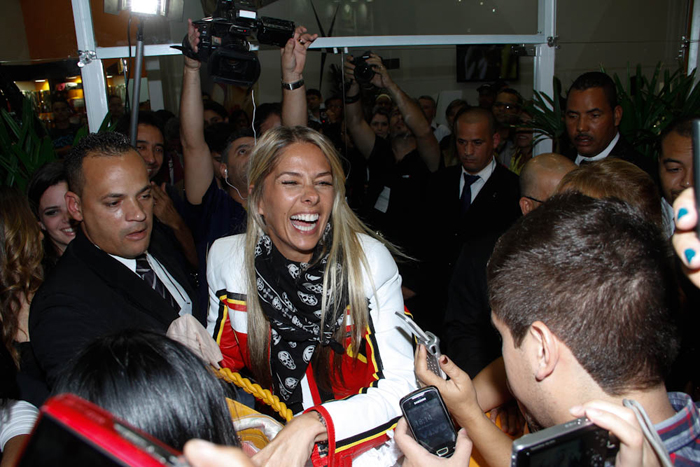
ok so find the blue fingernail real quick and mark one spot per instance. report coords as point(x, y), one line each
point(682, 212)
point(689, 254)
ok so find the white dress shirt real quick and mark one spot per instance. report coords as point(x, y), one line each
point(175, 289)
point(484, 176)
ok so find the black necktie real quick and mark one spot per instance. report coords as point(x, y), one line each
point(144, 270)
point(467, 191)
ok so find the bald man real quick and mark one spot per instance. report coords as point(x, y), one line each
point(540, 177)
point(471, 340)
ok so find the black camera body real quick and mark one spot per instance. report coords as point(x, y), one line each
point(224, 41)
point(364, 72)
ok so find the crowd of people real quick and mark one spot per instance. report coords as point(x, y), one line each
point(288, 240)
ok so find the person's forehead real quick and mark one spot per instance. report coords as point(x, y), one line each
point(472, 127)
point(105, 170)
point(146, 132)
point(377, 117)
point(677, 147)
point(507, 97)
point(587, 99)
point(427, 102)
point(243, 141)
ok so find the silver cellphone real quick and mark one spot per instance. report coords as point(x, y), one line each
point(431, 343)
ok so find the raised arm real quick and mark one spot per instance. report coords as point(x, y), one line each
point(427, 144)
point(294, 111)
point(199, 171)
point(362, 134)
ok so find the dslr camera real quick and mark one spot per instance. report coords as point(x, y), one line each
point(364, 72)
point(224, 41)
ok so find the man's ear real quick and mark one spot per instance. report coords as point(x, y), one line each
point(526, 206)
point(75, 208)
point(545, 348)
point(223, 171)
point(617, 112)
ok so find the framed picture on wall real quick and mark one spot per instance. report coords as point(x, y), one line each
point(486, 62)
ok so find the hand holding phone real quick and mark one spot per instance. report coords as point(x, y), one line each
point(431, 343)
point(429, 421)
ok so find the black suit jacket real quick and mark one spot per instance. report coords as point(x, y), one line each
point(89, 294)
point(470, 339)
point(625, 151)
point(493, 211)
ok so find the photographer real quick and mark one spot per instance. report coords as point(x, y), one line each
point(399, 168)
point(579, 344)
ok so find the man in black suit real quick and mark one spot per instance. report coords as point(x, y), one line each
point(107, 280)
point(592, 119)
point(464, 203)
point(470, 338)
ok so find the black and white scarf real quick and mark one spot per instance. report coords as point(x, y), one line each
point(291, 294)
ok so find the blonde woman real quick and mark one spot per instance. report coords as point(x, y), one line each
point(319, 327)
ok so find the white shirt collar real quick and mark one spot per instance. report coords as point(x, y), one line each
point(603, 154)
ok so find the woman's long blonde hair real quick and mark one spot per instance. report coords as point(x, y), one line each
point(345, 250)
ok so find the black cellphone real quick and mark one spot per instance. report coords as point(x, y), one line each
point(696, 170)
point(578, 442)
point(429, 421)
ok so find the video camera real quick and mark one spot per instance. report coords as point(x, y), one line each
point(224, 41)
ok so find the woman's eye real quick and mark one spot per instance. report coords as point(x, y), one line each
point(50, 213)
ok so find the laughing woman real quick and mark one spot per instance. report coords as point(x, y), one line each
point(305, 300)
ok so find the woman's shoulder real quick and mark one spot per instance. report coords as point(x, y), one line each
point(376, 253)
point(227, 250)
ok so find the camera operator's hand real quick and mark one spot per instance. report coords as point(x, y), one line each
point(685, 240)
point(294, 54)
point(193, 36)
point(352, 88)
point(457, 392)
point(635, 450)
point(417, 455)
point(381, 77)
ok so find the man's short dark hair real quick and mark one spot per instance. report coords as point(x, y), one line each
point(264, 111)
point(240, 133)
point(512, 92)
point(106, 144)
point(599, 276)
point(145, 117)
point(474, 113)
point(314, 92)
point(681, 126)
point(596, 79)
point(215, 107)
point(216, 136)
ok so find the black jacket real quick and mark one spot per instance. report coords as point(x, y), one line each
point(89, 294)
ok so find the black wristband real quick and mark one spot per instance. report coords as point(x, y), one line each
point(293, 86)
point(353, 99)
point(186, 49)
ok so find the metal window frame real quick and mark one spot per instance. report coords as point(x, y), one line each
point(95, 87)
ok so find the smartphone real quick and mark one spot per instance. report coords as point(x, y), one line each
point(71, 431)
point(429, 421)
point(696, 169)
point(578, 442)
point(431, 343)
